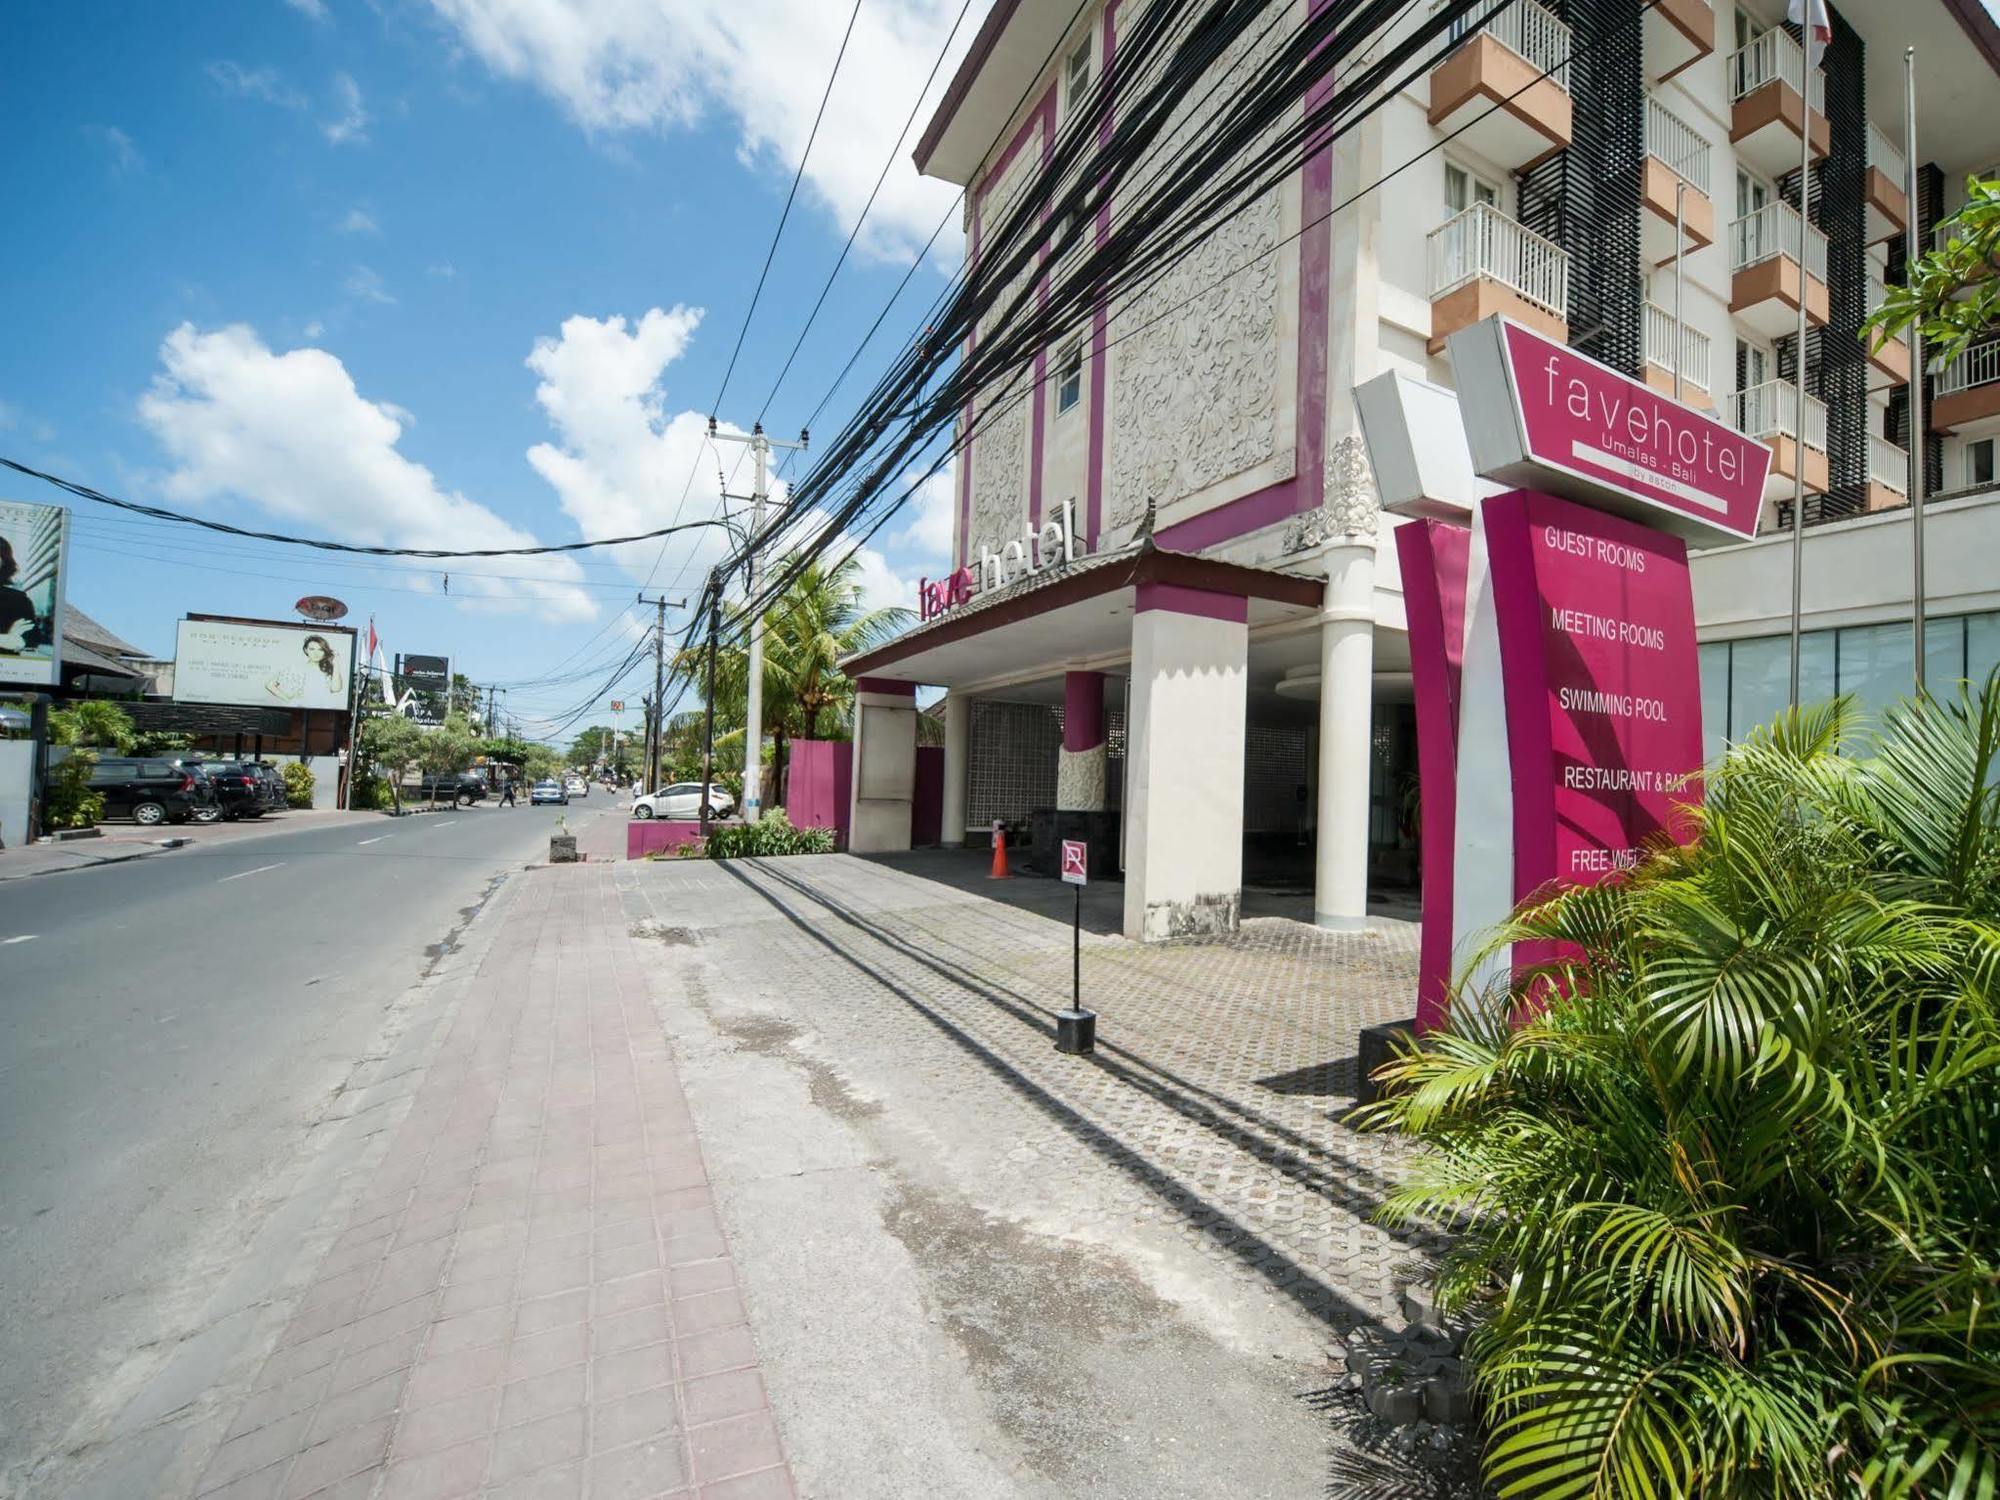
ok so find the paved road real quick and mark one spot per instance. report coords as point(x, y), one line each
point(172, 1029)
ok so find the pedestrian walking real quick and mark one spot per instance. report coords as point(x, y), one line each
point(507, 792)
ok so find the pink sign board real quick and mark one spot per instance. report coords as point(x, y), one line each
point(1603, 692)
point(1076, 861)
point(1537, 413)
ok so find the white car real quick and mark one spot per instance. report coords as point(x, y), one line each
point(682, 801)
point(576, 786)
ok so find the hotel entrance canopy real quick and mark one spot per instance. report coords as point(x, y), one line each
point(1081, 613)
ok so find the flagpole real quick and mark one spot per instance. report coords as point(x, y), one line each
point(1912, 233)
point(1806, 31)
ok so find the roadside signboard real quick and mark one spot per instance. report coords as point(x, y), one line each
point(321, 607)
point(263, 663)
point(1076, 861)
point(34, 545)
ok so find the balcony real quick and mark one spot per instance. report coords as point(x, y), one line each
point(1675, 154)
point(1661, 357)
point(1767, 278)
point(1768, 412)
point(1893, 358)
point(1888, 474)
point(1501, 64)
point(1482, 262)
point(1888, 205)
point(1966, 399)
point(1765, 111)
point(1678, 33)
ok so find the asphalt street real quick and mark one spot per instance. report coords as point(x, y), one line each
point(174, 1028)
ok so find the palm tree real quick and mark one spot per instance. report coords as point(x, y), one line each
point(1730, 1207)
point(820, 618)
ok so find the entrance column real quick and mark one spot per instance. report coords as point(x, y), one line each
point(1086, 748)
point(1184, 762)
point(885, 766)
point(1346, 689)
point(957, 762)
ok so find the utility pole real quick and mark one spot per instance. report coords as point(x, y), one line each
point(1912, 247)
point(655, 711)
point(708, 714)
point(1811, 14)
point(753, 710)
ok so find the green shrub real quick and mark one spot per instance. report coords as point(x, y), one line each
point(298, 784)
point(95, 723)
point(770, 835)
point(1730, 1211)
point(71, 802)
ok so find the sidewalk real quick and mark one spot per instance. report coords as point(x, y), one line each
point(126, 841)
point(531, 1294)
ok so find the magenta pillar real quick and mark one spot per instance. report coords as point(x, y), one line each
point(1080, 772)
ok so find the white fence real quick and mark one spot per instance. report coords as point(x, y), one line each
point(1773, 58)
point(1888, 465)
point(1979, 365)
point(1771, 410)
point(1884, 157)
point(1694, 350)
point(1482, 241)
point(1677, 144)
point(1529, 31)
point(1774, 230)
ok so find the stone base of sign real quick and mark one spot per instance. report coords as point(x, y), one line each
point(1376, 1046)
point(1076, 1031)
point(562, 849)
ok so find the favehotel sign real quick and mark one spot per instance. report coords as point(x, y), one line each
point(1050, 545)
point(1540, 415)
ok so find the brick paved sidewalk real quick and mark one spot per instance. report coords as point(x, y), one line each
point(532, 1295)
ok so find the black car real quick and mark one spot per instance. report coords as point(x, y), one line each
point(272, 785)
point(239, 788)
point(464, 786)
point(149, 792)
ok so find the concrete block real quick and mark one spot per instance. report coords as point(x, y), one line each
point(1398, 1403)
point(1376, 1046)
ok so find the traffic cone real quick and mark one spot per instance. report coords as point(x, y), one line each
point(999, 871)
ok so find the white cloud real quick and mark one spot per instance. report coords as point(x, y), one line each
point(621, 464)
point(351, 123)
point(928, 517)
point(882, 587)
point(290, 434)
point(364, 285)
point(124, 153)
point(315, 328)
point(263, 84)
point(316, 9)
point(444, 270)
point(623, 65)
point(358, 221)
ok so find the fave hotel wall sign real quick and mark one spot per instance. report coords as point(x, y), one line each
point(1558, 623)
point(1049, 545)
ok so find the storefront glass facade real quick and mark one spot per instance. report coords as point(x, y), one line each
point(1746, 683)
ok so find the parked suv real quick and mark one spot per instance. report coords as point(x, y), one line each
point(463, 786)
point(148, 791)
point(239, 788)
point(271, 784)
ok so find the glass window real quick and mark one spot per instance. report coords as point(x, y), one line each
point(1759, 682)
point(1714, 659)
point(1944, 654)
point(1982, 646)
point(1462, 189)
point(1079, 74)
point(1757, 363)
point(1069, 378)
point(1751, 195)
point(1877, 665)
point(1979, 462)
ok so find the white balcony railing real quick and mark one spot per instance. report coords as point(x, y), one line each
point(1878, 293)
point(1694, 350)
point(1773, 57)
point(1888, 465)
point(1979, 365)
point(1531, 32)
point(1774, 230)
point(1771, 410)
point(1482, 241)
point(1883, 156)
point(1677, 144)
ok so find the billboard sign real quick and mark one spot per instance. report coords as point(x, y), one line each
point(34, 543)
point(1540, 415)
point(263, 664)
point(320, 607)
point(426, 671)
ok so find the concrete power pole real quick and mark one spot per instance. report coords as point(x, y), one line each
point(656, 716)
point(753, 710)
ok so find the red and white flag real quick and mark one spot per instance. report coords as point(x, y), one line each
point(1822, 29)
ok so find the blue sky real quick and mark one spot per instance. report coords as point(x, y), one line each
point(437, 273)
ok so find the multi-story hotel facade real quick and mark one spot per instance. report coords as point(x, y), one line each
point(1179, 630)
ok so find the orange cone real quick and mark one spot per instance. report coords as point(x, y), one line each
point(999, 871)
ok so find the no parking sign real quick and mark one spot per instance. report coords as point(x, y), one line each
point(1076, 861)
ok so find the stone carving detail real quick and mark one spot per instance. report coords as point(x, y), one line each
point(1001, 412)
point(1351, 507)
point(1194, 396)
point(1080, 779)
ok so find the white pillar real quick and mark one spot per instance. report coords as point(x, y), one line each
point(1346, 694)
point(885, 767)
point(1184, 763)
point(957, 763)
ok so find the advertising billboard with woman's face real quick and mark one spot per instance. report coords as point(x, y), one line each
point(262, 665)
point(31, 575)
